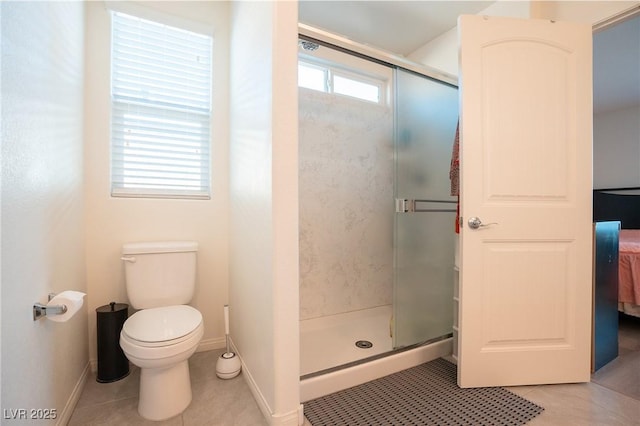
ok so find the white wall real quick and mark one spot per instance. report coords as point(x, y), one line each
point(1, 212)
point(42, 203)
point(616, 148)
point(264, 206)
point(110, 222)
point(581, 11)
point(442, 52)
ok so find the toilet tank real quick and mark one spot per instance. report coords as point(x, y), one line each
point(160, 273)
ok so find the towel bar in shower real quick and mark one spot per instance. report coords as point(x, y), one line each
point(414, 206)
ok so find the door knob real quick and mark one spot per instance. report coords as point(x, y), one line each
point(475, 223)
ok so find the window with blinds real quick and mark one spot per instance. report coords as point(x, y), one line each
point(161, 110)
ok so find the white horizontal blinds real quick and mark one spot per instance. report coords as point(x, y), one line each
point(161, 110)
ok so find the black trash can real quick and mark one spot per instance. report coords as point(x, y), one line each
point(113, 365)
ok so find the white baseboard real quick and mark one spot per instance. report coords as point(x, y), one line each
point(253, 387)
point(280, 419)
point(291, 418)
point(204, 346)
point(67, 411)
point(211, 344)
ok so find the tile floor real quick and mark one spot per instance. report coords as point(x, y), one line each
point(612, 397)
point(215, 402)
point(229, 402)
point(623, 373)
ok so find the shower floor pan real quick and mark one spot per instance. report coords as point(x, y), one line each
point(329, 342)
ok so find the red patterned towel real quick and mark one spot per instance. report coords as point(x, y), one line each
point(454, 174)
point(454, 171)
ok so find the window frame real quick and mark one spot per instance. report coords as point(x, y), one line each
point(331, 70)
point(172, 113)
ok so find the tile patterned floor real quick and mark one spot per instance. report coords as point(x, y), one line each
point(229, 402)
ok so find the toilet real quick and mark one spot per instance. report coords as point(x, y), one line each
point(165, 332)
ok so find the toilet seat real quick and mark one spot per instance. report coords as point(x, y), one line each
point(163, 326)
point(160, 341)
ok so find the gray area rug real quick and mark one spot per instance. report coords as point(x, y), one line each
point(422, 395)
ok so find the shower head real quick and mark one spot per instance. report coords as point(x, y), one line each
point(309, 46)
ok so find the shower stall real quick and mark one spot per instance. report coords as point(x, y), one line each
point(377, 218)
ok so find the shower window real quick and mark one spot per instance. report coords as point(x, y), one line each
point(328, 79)
point(358, 89)
point(312, 77)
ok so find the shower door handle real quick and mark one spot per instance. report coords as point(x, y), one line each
point(404, 205)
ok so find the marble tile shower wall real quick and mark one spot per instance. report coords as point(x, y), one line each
point(346, 204)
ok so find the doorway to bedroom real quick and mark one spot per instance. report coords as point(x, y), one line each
point(616, 171)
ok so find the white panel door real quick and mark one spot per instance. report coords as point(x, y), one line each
point(525, 278)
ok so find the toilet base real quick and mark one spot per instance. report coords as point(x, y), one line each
point(164, 392)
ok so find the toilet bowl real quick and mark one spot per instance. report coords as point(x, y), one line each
point(160, 341)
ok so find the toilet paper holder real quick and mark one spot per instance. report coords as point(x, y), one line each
point(41, 311)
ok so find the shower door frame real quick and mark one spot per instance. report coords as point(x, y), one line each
point(324, 38)
point(426, 112)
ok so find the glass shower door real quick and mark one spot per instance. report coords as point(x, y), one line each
point(424, 234)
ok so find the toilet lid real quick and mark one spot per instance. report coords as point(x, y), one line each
point(162, 324)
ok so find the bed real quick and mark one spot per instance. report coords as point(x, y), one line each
point(623, 204)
